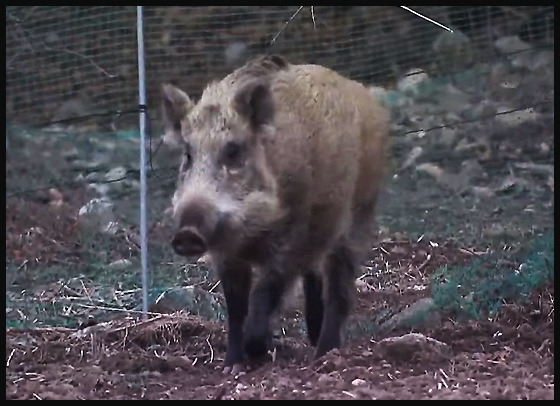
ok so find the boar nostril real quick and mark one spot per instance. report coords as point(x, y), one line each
point(188, 242)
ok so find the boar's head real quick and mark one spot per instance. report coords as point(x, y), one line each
point(226, 194)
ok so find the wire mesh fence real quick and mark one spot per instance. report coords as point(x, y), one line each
point(63, 62)
point(472, 118)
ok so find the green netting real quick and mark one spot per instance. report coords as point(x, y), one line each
point(481, 287)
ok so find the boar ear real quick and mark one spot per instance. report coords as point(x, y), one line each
point(254, 103)
point(175, 106)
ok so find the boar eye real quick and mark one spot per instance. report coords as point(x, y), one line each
point(233, 154)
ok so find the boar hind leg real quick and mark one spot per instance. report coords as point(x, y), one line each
point(236, 282)
point(263, 300)
point(313, 291)
point(339, 274)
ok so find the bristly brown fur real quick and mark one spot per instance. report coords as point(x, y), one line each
point(263, 65)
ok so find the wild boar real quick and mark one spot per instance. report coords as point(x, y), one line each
point(280, 175)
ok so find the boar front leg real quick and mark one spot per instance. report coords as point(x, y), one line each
point(263, 300)
point(338, 290)
point(313, 291)
point(236, 283)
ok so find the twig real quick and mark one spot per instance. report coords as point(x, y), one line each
point(313, 17)
point(211, 349)
point(214, 286)
point(85, 290)
point(285, 25)
point(423, 265)
point(10, 357)
point(116, 309)
point(349, 394)
point(426, 18)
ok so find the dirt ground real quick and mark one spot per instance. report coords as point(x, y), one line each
point(179, 356)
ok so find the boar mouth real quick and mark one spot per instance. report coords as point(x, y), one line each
point(188, 242)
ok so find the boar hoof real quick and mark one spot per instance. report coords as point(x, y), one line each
point(234, 369)
point(326, 344)
point(188, 242)
point(257, 345)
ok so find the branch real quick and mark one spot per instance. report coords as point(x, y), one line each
point(285, 25)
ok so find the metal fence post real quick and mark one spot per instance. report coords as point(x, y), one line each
point(143, 167)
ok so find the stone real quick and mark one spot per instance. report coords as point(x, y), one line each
point(120, 264)
point(515, 118)
point(424, 311)
point(411, 80)
point(97, 214)
point(511, 44)
point(192, 298)
point(413, 346)
point(115, 174)
point(452, 51)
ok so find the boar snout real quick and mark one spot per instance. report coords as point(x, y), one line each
point(188, 242)
point(197, 225)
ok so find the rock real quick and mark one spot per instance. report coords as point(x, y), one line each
point(411, 80)
point(358, 382)
point(544, 148)
point(511, 44)
point(482, 191)
point(100, 188)
point(515, 118)
point(413, 346)
point(503, 84)
point(511, 184)
point(412, 157)
point(452, 50)
point(511, 81)
point(471, 169)
point(447, 137)
point(533, 61)
point(120, 264)
point(431, 169)
point(97, 214)
point(485, 108)
point(94, 177)
point(56, 198)
point(80, 164)
point(457, 182)
point(453, 100)
point(424, 311)
point(115, 174)
point(192, 298)
point(112, 228)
